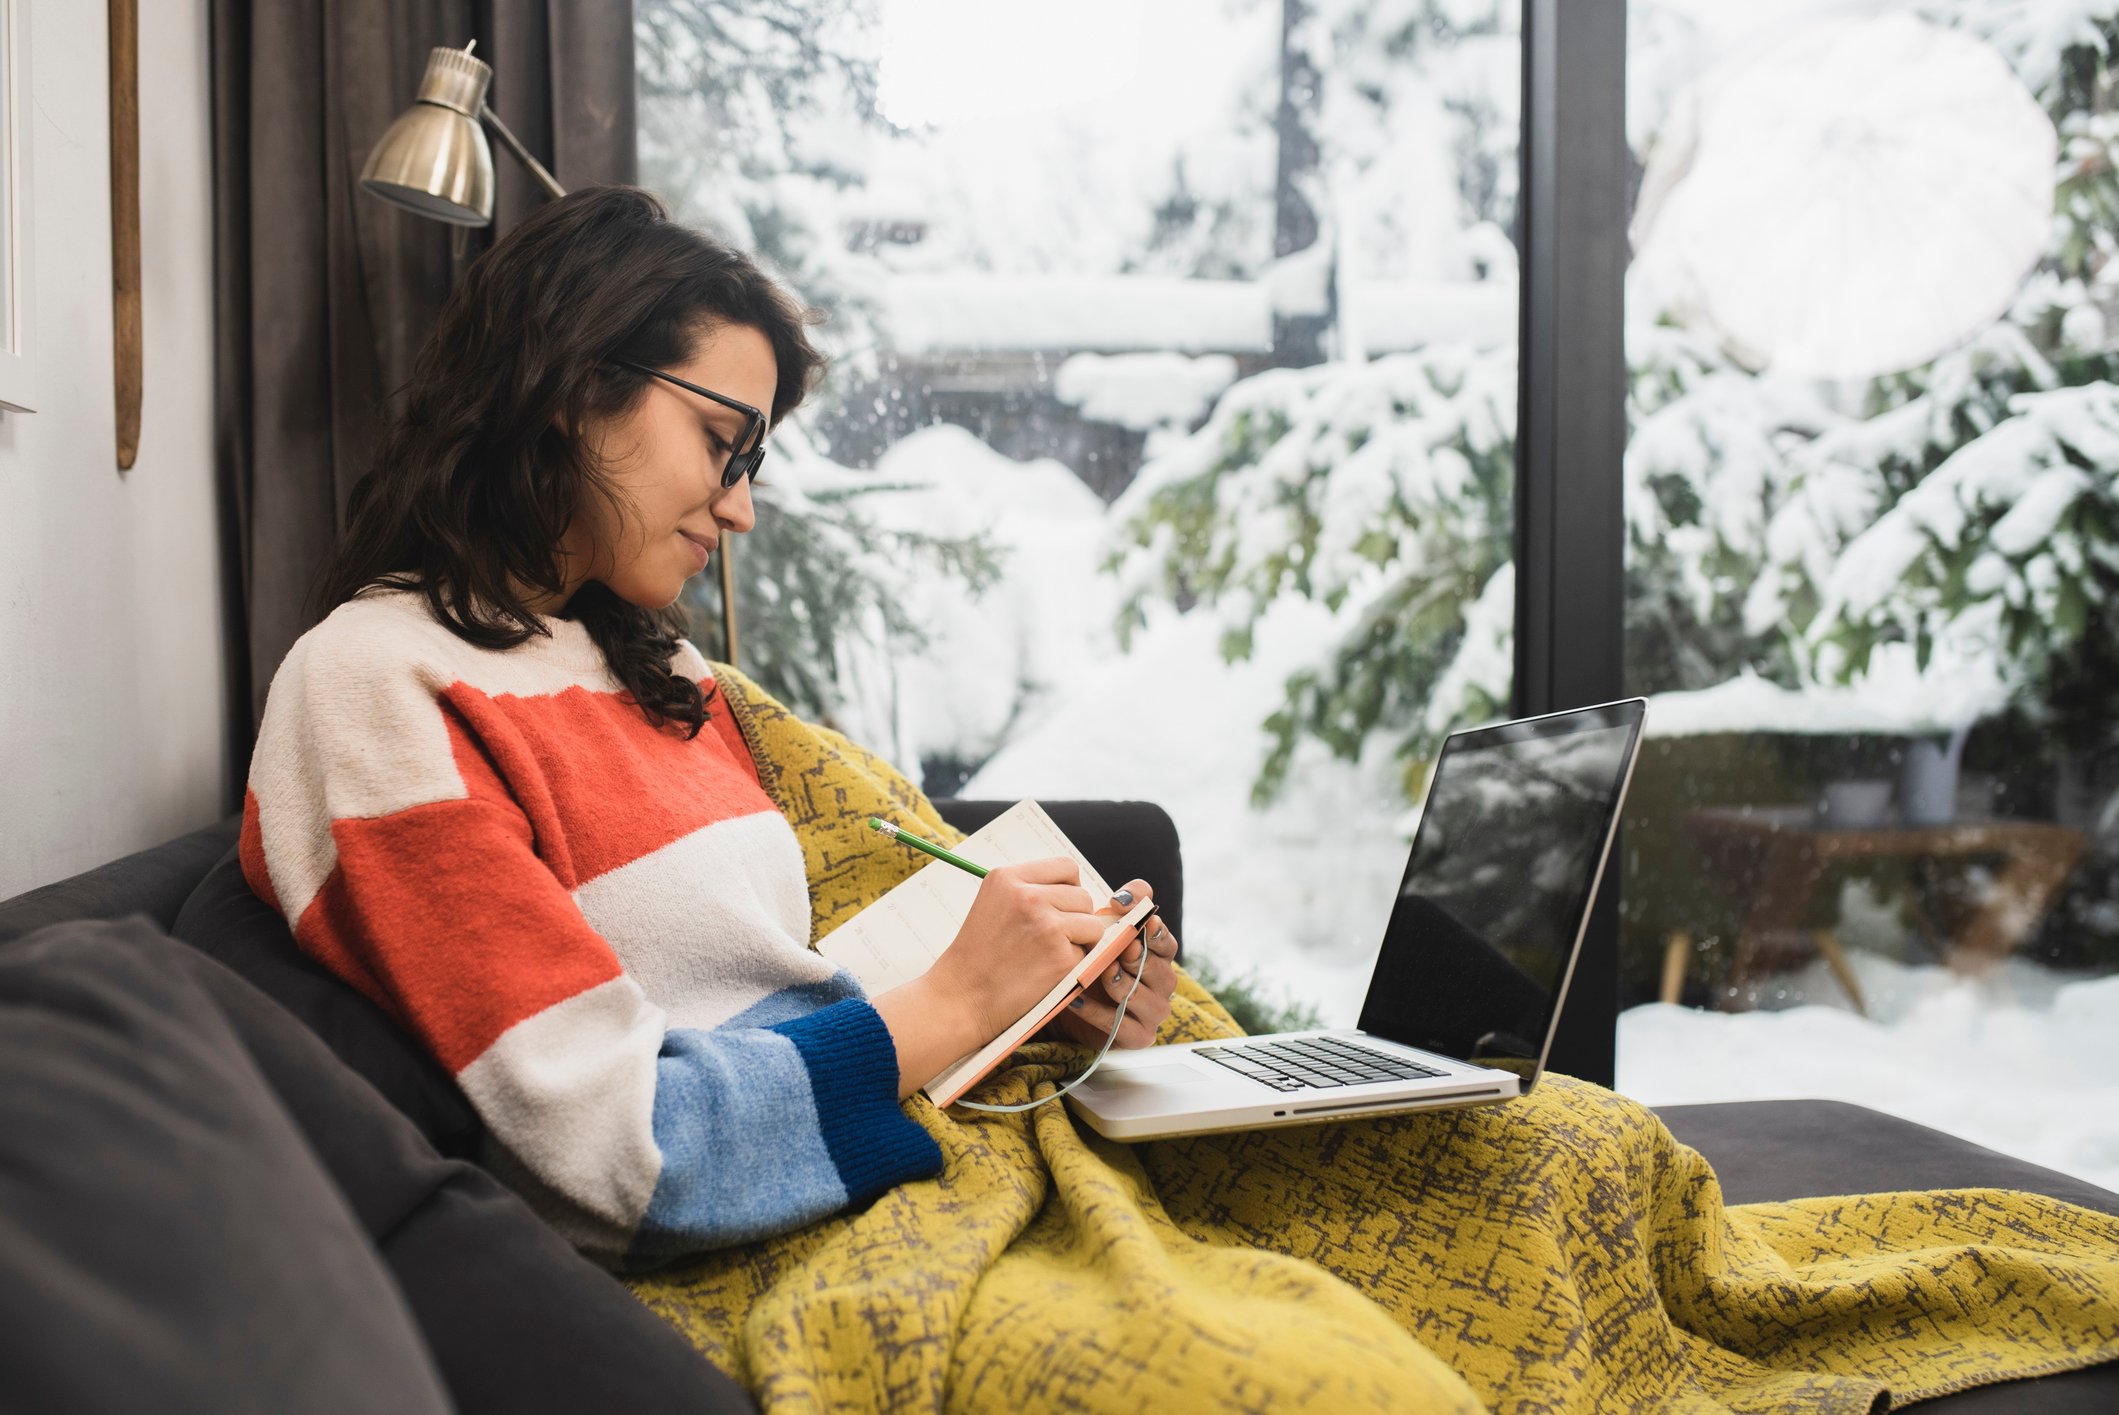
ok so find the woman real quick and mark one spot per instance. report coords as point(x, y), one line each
point(495, 790)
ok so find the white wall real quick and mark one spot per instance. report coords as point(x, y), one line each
point(111, 700)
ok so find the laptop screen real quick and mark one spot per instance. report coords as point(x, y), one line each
point(1502, 872)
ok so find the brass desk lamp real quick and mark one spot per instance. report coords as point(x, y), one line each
point(434, 160)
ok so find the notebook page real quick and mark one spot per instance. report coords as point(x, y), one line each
point(899, 937)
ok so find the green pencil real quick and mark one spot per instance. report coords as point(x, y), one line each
point(906, 837)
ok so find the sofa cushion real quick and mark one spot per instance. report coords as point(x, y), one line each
point(168, 1241)
point(228, 923)
point(514, 1318)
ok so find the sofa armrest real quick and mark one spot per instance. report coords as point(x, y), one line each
point(333, 1220)
point(1123, 839)
point(154, 882)
point(1764, 1151)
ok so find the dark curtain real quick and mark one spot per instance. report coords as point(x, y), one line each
point(323, 293)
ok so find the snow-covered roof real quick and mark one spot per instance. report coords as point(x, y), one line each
point(1396, 315)
point(1892, 701)
point(928, 313)
point(1105, 313)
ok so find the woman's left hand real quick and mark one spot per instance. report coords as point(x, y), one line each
point(1088, 1019)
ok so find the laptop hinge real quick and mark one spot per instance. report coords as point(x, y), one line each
point(1348, 1108)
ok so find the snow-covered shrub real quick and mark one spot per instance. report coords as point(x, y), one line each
point(1963, 509)
point(2008, 551)
point(1382, 491)
point(1710, 462)
point(821, 589)
point(754, 117)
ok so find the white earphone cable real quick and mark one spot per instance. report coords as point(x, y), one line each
point(1109, 1041)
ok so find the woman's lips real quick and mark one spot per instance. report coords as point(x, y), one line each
point(704, 548)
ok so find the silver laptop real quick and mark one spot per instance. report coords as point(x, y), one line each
point(1475, 961)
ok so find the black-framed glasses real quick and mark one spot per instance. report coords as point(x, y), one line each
point(741, 462)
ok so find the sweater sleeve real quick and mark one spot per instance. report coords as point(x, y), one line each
point(379, 825)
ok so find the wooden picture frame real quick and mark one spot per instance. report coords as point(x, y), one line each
point(18, 344)
point(128, 342)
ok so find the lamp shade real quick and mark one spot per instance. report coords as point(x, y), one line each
point(434, 159)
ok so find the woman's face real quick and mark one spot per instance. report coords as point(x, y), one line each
point(664, 459)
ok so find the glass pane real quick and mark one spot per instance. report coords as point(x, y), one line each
point(1873, 544)
point(1167, 449)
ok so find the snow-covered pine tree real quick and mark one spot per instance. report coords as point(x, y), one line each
point(752, 122)
point(1745, 496)
point(1381, 490)
point(1707, 467)
point(819, 585)
point(752, 115)
point(1974, 512)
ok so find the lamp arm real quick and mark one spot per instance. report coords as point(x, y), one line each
point(514, 144)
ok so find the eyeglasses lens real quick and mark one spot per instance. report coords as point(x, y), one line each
point(745, 464)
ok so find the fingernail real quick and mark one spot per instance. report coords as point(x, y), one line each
point(1078, 1002)
point(1124, 896)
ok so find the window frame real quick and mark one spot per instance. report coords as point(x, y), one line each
point(1571, 427)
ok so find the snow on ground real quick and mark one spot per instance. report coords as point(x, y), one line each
point(2023, 1060)
point(1045, 622)
point(1298, 893)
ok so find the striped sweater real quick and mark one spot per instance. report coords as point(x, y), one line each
point(599, 928)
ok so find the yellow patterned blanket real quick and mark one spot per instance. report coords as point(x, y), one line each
point(1558, 1253)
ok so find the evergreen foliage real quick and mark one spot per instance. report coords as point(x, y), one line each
point(1245, 997)
point(820, 586)
point(1381, 490)
point(743, 109)
point(1968, 508)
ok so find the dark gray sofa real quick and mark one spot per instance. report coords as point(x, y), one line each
point(459, 1274)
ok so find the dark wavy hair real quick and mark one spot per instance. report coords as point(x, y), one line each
point(483, 466)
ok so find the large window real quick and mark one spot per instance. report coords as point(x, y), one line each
point(1167, 449)
point(1872, 505)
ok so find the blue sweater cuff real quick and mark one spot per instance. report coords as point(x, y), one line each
point(853, 1074)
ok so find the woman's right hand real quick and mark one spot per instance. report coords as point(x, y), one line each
point(1030, 924)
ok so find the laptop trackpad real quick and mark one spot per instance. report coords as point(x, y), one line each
point(1112, 1080)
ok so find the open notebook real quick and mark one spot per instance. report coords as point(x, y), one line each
point(899, 937)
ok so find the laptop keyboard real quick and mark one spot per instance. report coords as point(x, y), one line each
point(1309, 1063)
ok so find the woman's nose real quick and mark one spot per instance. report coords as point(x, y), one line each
point(733, 508)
